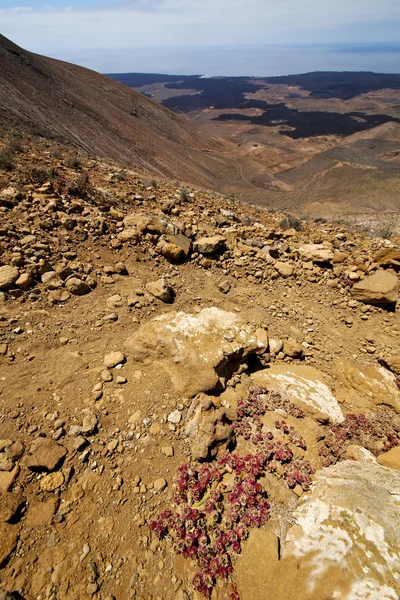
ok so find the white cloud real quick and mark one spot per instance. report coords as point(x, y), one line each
point(66, 32)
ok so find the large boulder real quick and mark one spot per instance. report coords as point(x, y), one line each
point(381, 288)
point(199, 352)
point(318, 253)
point(8, 276)
point(305, 387)
point(374, 385)
point(344, 542)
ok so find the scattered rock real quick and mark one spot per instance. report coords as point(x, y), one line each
point(209, 245)
point(113, 359)
point(51, 482)
point(161, 289)
point(76, 286)
point(208, 428)
point(160, 484)
point(381, 288)
point(8, 276)
point(390, 458)
point(292, 348)
point(175, 417)
point(304, 386)
point(317, 253)
point(372, 385)
point(44, 454)
point(284, 269)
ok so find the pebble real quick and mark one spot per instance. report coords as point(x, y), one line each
point(113, 359)
point(175, 417)
point(160, 484)
point(51, 482)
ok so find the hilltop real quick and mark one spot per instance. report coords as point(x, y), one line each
point(196, 394)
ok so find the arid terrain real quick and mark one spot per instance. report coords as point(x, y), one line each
point(318, 144)
point(135, 315)
point(199, 395)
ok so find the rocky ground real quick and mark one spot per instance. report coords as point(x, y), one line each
point(144, 327)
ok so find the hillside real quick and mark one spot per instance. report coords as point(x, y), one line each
point(198, 397)
point(73, 105)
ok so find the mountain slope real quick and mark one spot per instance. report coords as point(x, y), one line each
point(77, 106)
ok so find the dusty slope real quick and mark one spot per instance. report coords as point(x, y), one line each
point(77, 106)
point(83, 531)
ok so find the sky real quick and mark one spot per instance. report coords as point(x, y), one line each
point(133, 35)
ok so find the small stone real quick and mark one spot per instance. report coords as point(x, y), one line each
point(160, 484)
point(284, 269)
point(89, 421)
point(3, 349)
point(59, 296)
point(44, 454)
point(76, 286)
point(106, 375)
point(51, 482)
point(168, 451)
point(113, 359)
point(224, 287)
point(175, 417)
point(8, 276)
point(24, 281)
point(292, 348)
point(209, 245)
point(121, 380)
point(161, 289)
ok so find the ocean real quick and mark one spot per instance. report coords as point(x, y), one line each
point(246, 59)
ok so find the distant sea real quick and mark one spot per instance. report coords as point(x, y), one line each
point(246, 59)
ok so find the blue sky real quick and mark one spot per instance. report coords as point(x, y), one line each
point(101, 34)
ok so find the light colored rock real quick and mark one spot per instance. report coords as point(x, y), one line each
point(51, 482)
point(59, 296)
point(208, 428)
point(209, 245)
point(8, 276)
point(390, 458)
point(160, 484)
point(292, 348)
point(381, 288)
point(284, 269)
point(129, 235)
point(304, 386)
point(344, 544)
point(24, 281)
point(392, 361)
point(376, 385)
point(275, 346)
point(161, 289)
point(113, 359)
point(175, 417)
point(197, 351)
point(319, 253)
point(7, 479)
point(360, 454)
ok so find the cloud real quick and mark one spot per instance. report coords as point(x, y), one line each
point(110, 28)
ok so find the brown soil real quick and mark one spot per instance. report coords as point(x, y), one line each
point(91, 537)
